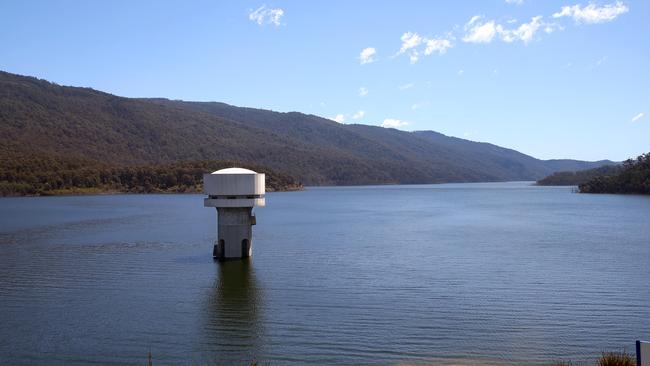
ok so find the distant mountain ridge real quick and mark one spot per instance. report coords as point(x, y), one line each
point(39, 118)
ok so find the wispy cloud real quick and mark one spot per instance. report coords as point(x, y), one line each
point(359, 115)
point(526, 31)
point(393, 123)
point(478, 30)
point(264, 15)
point(638, 117)
point(406, 86)
point(440, 45)
point(363, 91)
point(409, 40)
point(338, 118)
point(367, 55)
point(415, 45)
point(409, 43)
point(593, 13)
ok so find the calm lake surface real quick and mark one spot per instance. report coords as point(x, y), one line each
point(504, 273)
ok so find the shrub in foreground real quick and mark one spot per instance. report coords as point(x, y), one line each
point(616, 359)
point(607, 359)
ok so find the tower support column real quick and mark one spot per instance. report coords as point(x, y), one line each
point(234, 233)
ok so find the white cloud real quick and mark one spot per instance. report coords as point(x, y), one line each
point(359, 115)
point(479, 32)
point(593, 13)
point(409, 40)
point(461, 72)
point(393, 123)
point(638, 117)
point(367, 55)
point(440, 45)
point(525, 32)
point(363, 91)
point(406, 86)
point(264, 15)
point(338, 118)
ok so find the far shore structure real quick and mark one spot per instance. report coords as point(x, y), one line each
point(234, 192)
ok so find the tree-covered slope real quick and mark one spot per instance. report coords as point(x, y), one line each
point(633, 177)
point(42, 119)
point(50, 176)
point(574, 178)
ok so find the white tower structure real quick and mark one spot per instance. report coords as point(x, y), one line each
point(234, 192)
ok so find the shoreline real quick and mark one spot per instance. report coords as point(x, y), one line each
point(73, 193)
point(292, 188)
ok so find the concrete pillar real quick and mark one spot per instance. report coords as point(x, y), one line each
point(234, 233)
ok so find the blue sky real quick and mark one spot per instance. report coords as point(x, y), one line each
point(553, 79)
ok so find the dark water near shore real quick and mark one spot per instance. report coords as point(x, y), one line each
point(463, 273)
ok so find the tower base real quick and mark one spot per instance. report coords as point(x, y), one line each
point(234, 232)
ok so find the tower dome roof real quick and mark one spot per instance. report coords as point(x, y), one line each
point(234, 171)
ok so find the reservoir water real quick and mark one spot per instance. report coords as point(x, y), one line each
point(494, 273)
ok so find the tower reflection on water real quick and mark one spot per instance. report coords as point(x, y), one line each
point(233, 327)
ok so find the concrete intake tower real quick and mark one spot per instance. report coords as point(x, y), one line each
point(234, 192)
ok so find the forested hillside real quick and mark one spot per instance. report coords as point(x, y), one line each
point(51, 176)
point(40, 120)
point(633, 177)
point(572, 178)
